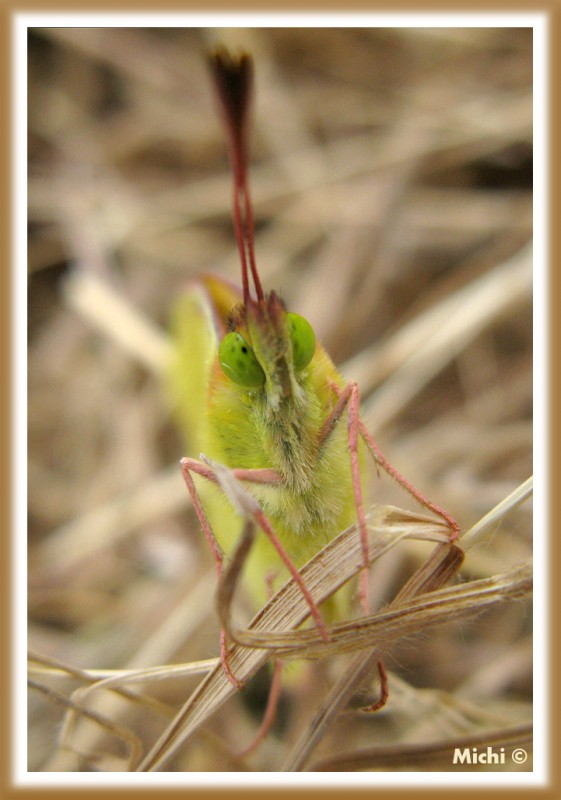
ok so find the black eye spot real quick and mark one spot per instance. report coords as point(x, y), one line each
point(244, 349)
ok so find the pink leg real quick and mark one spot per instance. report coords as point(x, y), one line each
point(380, 459)
point(384, 690)
point(217, 554)
point(352, 390)
point(270, 711)
point(265, 526)
point(189, 465)
point(349, 397)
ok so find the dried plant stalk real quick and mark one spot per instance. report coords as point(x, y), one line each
point(436, 571)
point(324, 574)
point(421, 755)
point(114, 729)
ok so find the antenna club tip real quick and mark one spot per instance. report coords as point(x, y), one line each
point(233, 74)
point(226, 58)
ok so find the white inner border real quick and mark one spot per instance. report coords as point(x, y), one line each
point(539, 23)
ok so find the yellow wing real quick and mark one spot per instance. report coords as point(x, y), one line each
point(197, 324)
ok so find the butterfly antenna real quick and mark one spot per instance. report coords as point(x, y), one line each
point(233, 78)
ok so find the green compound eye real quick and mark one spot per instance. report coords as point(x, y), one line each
point(303, 340)
point(238, 361)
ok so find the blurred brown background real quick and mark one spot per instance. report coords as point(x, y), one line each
point(392, 183)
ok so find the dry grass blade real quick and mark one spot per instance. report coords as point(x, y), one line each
point(406, 617)
point(491, 520)
point(327, 572)
point(117, 678)
point(419, 593)
point(421, 755)
point(107, 724)
point(412, 615)
point(77, 710)
point(50, 667)
point(324, 574)
point(187, 614)
point(288, 609)
point(119, 683)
